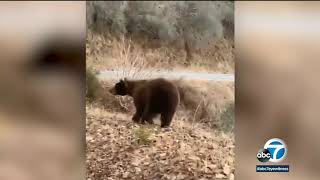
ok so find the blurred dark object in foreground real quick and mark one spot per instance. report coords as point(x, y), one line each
point(42, 67)
point(277, 86)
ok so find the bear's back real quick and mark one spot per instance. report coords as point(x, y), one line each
point(164, 95)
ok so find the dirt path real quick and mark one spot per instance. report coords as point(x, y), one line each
point(173, 75)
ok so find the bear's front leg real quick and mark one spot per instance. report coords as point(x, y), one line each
point(145, 114)
point(137, 116)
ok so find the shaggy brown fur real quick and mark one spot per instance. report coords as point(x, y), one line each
point(151, 97)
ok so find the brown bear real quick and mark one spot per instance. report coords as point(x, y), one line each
point(151, 97)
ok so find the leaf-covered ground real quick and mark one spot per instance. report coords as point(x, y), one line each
point(119, 149)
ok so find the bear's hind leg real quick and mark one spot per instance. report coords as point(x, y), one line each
point(166, 118)
point(150, 117)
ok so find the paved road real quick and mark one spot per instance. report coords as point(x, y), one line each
point(173, 75)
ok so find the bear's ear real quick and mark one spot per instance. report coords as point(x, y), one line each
point(125, 82)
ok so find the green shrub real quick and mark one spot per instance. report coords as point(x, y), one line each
point(227, 119)
point(196, 23)
point(142, 135)
point(93, 87)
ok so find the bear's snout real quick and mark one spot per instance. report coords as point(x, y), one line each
point(112, 91)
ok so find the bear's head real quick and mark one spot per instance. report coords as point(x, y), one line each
point(120, 88)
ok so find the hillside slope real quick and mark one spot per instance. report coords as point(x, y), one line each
point(119, 149)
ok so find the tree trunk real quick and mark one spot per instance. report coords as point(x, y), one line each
point(188, 52)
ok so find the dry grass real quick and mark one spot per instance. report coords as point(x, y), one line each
point(194, 147)
point(105, 52)
point(205, 102)
point(200, 102)
point(131, 60)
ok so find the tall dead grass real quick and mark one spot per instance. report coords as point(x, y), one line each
point(108, 52)
point(200, 103)
point(131, 61)
point(209, 103)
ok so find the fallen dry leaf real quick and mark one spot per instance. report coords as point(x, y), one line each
point(173, 154)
